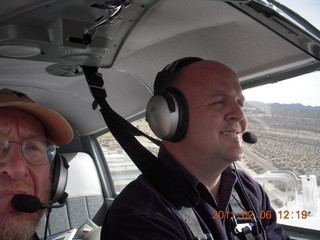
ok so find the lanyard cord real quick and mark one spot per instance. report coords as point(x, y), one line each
point(47, 223)
point(260, 227)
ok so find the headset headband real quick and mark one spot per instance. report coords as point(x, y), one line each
point(163, 77)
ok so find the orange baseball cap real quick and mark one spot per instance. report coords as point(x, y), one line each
point(57, 127)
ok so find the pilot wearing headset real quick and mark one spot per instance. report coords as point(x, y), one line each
point(29, 162)
point(197, 111)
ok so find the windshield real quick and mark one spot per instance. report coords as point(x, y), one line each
point(285, 160)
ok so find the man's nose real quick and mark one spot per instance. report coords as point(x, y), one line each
point(235, 113)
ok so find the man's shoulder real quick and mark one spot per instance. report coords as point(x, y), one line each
point(139, 204)
point(247, 179)
point(35, 237)
point(253, 189)
point(138, 188)
point(138, 197)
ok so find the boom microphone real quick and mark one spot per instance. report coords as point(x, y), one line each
point(30, 204)
point(249, 137)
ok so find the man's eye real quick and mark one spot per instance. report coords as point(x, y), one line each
point(217, 102)
point(32, 148)
point(3, 149)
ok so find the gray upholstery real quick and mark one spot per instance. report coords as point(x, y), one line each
point(85, 199)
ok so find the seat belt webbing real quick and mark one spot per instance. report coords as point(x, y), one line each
point(193, 224)
point(242, 228)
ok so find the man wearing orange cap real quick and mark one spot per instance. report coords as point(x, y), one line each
point(29, 133)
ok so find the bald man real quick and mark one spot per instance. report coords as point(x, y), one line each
point(199, 155)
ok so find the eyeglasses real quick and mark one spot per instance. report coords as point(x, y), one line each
point(36, 151)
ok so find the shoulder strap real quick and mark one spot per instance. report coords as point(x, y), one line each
point(242, 219)
point(124, 132)
point(193, 224)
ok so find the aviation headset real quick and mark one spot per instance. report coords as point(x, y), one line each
point(167, 110)
point(59, 179)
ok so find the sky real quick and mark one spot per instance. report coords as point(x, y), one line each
point(304, 89)
point(309, 9)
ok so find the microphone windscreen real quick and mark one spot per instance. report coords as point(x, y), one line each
point(249, 137)
point(25, 203)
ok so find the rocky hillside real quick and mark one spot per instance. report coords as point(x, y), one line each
point(289, 135)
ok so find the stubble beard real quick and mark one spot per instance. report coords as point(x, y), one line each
point(21, 226)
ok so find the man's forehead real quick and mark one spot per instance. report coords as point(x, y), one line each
point(12, 115)
point(205, 77)
point(208, 66)
point(213, 82)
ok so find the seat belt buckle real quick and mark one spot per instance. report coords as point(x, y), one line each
point(243, 227)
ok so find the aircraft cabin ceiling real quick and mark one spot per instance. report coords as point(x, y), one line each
point(44, 43)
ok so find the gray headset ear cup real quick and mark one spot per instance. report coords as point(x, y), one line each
point(161, 119)
point(167, 115)
point(59, 178)
point(167, 110)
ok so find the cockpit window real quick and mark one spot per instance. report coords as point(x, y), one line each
point(285, 160)
point(308, 9)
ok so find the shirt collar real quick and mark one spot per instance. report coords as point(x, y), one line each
point(185, 179)
point(191, 184)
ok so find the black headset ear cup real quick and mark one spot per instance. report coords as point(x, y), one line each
point(167, 115)
point(59, 179)
point(183, 115)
